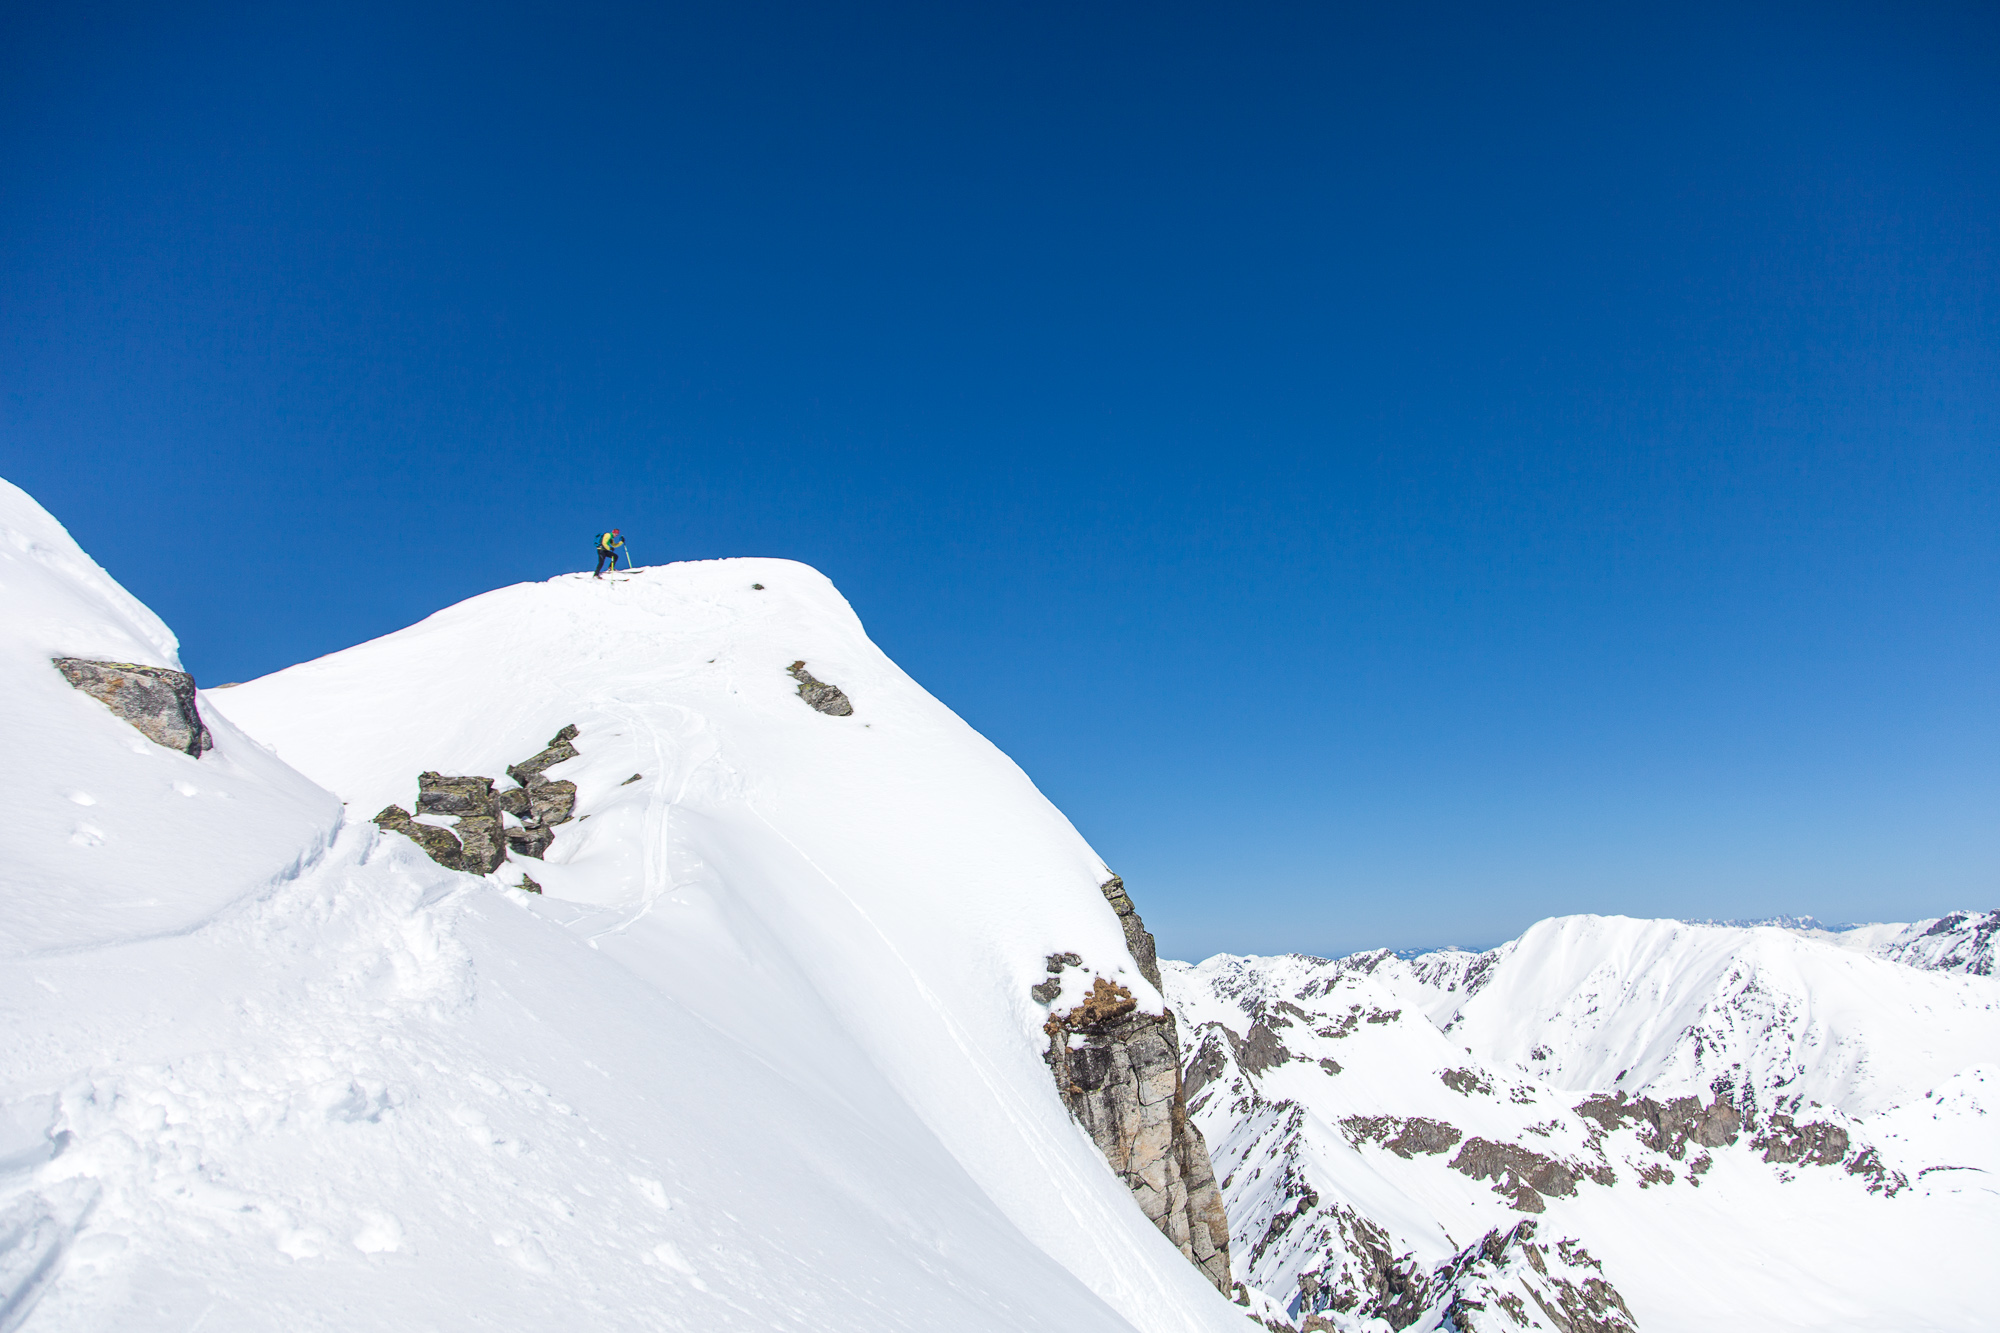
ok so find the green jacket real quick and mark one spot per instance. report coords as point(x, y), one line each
point(609, 542)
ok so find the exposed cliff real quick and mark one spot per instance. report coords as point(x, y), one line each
point(1118, 1070)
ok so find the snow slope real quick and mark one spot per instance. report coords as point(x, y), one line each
point(762, 1057)
point(1353, 1106)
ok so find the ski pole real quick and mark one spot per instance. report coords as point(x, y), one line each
point(628, 557)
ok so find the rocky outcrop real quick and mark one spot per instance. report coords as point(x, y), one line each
point(540, 803)
point(1405, 1136)
point(1118, 1071)
point(1563, 1286)
point(1815, 1143)
point(158, 702)
point(1667, 1127)
point(480, 837)
point(471, 802)
point(1520, 1174)
point(1137, 938)
point(818, 694)
point(1259, 1050)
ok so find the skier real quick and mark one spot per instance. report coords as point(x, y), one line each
point(607, 550)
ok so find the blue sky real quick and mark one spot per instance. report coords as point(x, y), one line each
point(1389, 473)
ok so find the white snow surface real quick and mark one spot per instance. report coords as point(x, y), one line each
point(762, 1057)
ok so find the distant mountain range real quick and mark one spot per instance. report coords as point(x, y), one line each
point(1609, 1124)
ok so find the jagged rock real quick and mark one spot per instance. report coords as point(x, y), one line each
point(1670, 1126)
point(1816, 1142)
point(1207, 1064)
point(1882, 1179)
point(1118, 1070)
point(158, 702)
point(1466, 1081)
point(471, 799)
point(530, 841)
point(1412, 1135)
point(483, 840)
point(559, 749)
point(551, 801)
point(1502, 1266)
point(528, 884)
point(1137, 938)
point(818, 694)
point(1522, 1175)
point(1260, 1050)
point(629, 781)
point(438, 844)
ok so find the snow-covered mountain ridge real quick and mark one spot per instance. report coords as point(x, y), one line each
point(1652, 1094)
point(768, 1052)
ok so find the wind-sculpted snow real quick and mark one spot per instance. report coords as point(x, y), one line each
point(763, 1056)
point(111, 836)
point(1381, 1124)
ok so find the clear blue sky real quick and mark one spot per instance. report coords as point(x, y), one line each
point(1389, 472)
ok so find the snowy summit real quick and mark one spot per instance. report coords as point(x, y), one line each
point(761, 1053)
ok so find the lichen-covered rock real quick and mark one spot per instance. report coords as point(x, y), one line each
point(483, 840)
point(1118, 1070)
point(158, 702)
point(438, 844)
point(551, 801)
point(531, 841)
point(558, 749)
point(818, 694)
point(1137, 938)
point(471, 799)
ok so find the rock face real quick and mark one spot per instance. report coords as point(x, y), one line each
point(818, 694)
point(482, 838)
point(1118, 1070)
point(158, 702)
